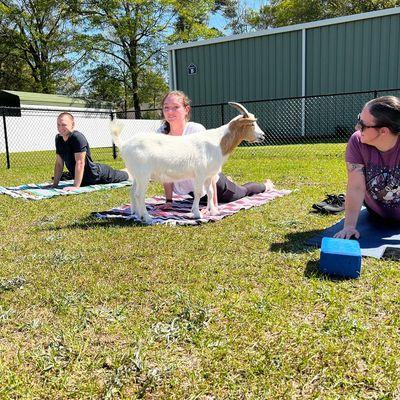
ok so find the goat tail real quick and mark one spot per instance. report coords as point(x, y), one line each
point(116, 128)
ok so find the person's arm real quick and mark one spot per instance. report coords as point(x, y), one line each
point(58, 169)
point(355, 194)
point(79, 169)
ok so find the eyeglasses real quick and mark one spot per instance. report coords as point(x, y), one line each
point(363, 126)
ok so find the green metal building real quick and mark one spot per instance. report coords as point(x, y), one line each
point(347, 54)
point(324, 58)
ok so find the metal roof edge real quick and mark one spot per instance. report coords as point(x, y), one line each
point(289, 28)
point(48, 99)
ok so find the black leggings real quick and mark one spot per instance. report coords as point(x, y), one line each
point(228, 191)
point(106, 175)
point(376, 218)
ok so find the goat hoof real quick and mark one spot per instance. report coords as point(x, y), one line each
point(147, 219)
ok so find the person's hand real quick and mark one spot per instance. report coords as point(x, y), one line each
point(347, 233)
point(70, 188)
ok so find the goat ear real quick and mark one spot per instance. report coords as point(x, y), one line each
point(240, 108)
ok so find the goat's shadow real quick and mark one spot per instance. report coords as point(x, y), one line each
point(92, 222)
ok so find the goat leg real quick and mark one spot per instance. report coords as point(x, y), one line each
point(198, 186)
point(133, 200)
point(211, 207)
point(140, 195)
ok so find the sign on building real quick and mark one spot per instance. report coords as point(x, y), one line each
point(192, 69)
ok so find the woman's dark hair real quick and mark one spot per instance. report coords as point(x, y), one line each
point(185, 102)
point(386, 111)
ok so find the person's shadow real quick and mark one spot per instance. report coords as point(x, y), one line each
point(295, 242)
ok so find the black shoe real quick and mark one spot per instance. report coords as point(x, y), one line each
point(333, 204)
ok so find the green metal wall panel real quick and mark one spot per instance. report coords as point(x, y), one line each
point(344, 55)
point(350, 57)
point(247, 69)
point(353, 56)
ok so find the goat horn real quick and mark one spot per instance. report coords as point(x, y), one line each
point(240, 108)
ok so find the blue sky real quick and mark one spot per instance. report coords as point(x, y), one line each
point(218, 22)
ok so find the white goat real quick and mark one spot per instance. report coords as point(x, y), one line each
point(198, 156)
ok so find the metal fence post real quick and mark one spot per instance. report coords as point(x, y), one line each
point(114, 148)
point(6, 139)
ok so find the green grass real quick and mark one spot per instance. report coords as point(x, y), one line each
point(93, 309)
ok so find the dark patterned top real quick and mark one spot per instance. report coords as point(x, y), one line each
point(382, 175)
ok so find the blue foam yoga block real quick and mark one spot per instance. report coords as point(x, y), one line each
point(340, 257)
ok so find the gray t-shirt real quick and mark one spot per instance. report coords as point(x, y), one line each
point(382, 175)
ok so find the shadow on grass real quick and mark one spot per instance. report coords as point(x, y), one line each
point(91, 222)
point(295, 242)
point(312, 271)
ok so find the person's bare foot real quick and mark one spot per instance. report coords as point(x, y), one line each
point(269, 185)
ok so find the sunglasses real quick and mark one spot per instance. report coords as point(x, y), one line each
point(363, 126)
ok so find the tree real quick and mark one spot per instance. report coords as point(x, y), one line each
point(237, 14)
point(14, 74)
point(41, 40)
point(152, 88)
point(105, 84)
point(133, 33)
point(288, 12)
point(191, 20)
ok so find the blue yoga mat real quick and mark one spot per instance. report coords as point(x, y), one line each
point(375, 238)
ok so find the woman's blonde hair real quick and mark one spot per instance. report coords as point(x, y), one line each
point(185, 102)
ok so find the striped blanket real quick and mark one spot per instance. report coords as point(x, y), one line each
point(180, 214)
point(33, 191)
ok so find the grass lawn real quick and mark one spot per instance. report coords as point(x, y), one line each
point(93, 309)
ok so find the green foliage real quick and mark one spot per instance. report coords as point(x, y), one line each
point(105, 84)
point(133, 34)
point(288, 12)
point(191, 21)
point(40, 38)
point(152, 88)
point(238, 16)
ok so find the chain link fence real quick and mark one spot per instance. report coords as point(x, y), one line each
point(300, 120)
point(27, 135)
